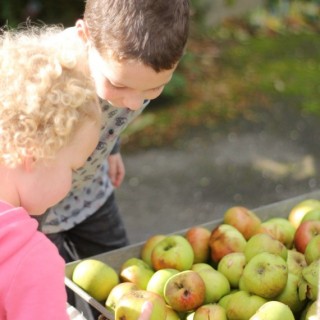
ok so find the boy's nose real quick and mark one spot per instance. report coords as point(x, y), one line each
point(133, 102)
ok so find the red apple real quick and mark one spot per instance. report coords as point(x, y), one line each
point(199, 240)
point(185, 291)
point(243, 219)
point(305, 232)
point(225, 239)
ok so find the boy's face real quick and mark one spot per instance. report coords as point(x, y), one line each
point(47, 183)
point(126, 84)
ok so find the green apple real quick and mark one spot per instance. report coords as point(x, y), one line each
point(243, 219)
point(311, 311)
point(131, 304)
point(308, 286)
point(290, 296)
point(185, 291)
point(231, 266)
point(242, 305)
point(280, 229)
point(297, 213)
point(312, 215)
point(95, 277)
point(174, 252)
point(117, 292)
point(263, 242)
point(312, 251)
point(223, 302)
point(296, 261)
point(201, 265)
point(265, 275)
point(148, 246)
point(159, 279)
point(225, 239)
point(210, 312)
point(171, 314)
point(137, 271)
point(304, 233)
point(273, 310)
point(217, 285)
point(199, 240)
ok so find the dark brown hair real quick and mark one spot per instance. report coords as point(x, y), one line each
point(154, 32)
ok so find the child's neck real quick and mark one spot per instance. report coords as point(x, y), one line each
point(8, 189)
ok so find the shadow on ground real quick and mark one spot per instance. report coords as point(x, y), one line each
point(272, 157)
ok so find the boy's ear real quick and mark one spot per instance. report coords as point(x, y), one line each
point(82, 30)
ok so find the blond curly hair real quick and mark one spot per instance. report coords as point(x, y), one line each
point(44, 95)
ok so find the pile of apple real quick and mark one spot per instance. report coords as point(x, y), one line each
point(243, 269)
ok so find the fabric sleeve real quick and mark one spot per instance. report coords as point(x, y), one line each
point(38, 291)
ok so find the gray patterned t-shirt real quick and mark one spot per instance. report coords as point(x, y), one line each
point(91, 185)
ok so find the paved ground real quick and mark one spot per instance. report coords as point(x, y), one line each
point(275, 156)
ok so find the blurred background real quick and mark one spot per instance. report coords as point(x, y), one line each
point(237, 125)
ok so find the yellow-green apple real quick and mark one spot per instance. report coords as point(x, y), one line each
point(210, 311)
point(265, 275)
point(297, 213)
point(185, 291)
point(263, 242)
point(243, 219)
point(312, 251)
point(199, 239)
point(280, 229)
point(311, 311)
point(148, 246)
point(223, 302)
point(174, 252)
point(308, 286)
point(137, 271)
point(273, 310)
point(131, 305)
point(304, 233)
point(242, 305)
point(312, 215)
point(296, 261)
point(171, 314)
point(201, 265)
point(95, 277)
point(231, 266)
point(290, 295)
point(159, 279)
point(217, 285)
point(117, 292)
point(225, 239)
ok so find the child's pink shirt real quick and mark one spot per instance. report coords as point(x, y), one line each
point(31, 270)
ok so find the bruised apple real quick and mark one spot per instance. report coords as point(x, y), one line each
point(225, 239)
point(296, 261)
point(199, 240)
point(185, 291)
point(243, 219)
point(210, 311)
point(131, 304)
point(174, 252)
point(231, 266)
point(137, 271)
point(265, 275)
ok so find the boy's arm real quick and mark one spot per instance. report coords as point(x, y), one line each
point(116, 166)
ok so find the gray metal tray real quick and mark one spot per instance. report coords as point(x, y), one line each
point(115, 258)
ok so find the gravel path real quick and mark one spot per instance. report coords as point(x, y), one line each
point(272, 157)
